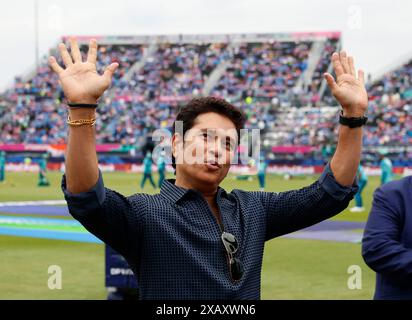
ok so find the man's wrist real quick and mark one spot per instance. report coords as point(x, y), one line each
point(81, 113)
point(82, 105)
point(82, 100)
point(354, 111)
point(352, 121)
point(353, 114)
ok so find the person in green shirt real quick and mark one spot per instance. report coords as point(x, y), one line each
point(386, 169)
point(161, 168)
point(147, 170)
point(362, 181)
point(43, 181)
point(261, 173)
point(2, 166)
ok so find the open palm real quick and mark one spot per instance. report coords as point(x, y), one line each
point(80, 81)
point(348, 89)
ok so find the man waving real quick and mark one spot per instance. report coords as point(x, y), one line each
point(194, 240)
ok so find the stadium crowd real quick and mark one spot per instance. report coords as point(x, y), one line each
point(263, 70)
point(260, 77)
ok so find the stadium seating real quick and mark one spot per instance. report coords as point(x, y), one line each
point(262, 76)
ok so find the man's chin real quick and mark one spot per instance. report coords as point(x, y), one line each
point(212, 176)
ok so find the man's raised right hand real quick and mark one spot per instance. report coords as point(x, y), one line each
point(80, 81)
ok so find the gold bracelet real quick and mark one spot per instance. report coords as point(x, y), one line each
point(81, 122)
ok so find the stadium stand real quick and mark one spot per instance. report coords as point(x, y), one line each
point(275, 78)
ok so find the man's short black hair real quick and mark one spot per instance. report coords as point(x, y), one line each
point(198, 106)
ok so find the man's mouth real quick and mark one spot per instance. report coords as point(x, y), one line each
point(213, 165)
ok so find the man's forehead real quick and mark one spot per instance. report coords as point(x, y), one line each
point(212, 119)
point(217, 131)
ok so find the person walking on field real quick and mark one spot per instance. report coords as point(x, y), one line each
point(147, 171)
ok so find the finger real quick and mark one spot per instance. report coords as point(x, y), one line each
point(75, 51)
point(67, 60)
point(55, 66)
point(351, 63)
point(337, 66)
point(92, 54)
point(331, 81)
point(344, 61)
point(108, 73)
point(361, 76)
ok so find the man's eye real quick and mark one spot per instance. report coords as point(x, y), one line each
point(208, 136)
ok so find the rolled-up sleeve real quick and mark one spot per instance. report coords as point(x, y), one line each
point(335, 189)
point(81, 203)
point(297, 209)
point(108, 215)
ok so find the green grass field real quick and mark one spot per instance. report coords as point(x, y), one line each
point(292, 268)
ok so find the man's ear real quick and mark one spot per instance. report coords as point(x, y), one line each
point(176, 145)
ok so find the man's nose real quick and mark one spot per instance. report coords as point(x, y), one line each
point(218, 146)
point(215, 149)
point(212, 147)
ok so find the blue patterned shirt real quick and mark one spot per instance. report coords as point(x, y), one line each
point(172, 240)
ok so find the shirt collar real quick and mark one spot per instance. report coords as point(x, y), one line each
point(174, 193)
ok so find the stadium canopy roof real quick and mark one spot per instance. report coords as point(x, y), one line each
point(211, 38)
